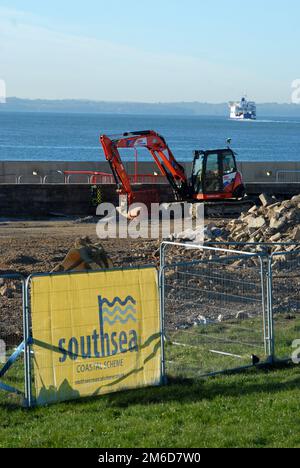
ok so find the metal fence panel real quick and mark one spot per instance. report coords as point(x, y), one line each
point(285, 299)
point(13, 346)
point(215, 311)
point(115, 319)
point(288, 177)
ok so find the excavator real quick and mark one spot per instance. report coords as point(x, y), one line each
point(214, 177)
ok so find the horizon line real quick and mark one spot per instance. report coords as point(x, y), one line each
point(85, 100)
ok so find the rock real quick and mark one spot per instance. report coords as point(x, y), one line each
point(242, 315)
point(280, 209)
point(86, 220)
point(253, 209)
point(296, 234)
point(275, 205)
point(290, 248)
point(238, 222)
point(256, 222)
point(265, 200)
point(188, 235)
point(237, 263)
point(281, 258)
point(247, 218)
point(185, 326)
point(287, 204)
point(221, 240)
point(292, 214)
point(278, 224)
point(238, 229)
point(296, 199)
point(201, 320)
point(241, 237)
point(6, 291)
point(273, 215)
point(276, 237)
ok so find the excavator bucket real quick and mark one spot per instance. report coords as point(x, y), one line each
point(85, 256)
point(142, 199)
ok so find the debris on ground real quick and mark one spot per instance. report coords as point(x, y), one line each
point(242, 315)
point(86, 220)
point(85, 256)
point(272, 222)
point(7, 290)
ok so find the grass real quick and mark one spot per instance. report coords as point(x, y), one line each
point(242, 339)
point(256, 408)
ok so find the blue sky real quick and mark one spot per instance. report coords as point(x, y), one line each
point(167, 50)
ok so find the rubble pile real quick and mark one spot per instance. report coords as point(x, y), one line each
point(273, 223)
point(277, 222)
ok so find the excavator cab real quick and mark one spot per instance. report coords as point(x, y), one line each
point(215, 176)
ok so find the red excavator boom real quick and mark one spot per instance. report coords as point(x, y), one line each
point(159, 150)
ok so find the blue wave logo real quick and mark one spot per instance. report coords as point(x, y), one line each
point(118, 310)
point(105, 342)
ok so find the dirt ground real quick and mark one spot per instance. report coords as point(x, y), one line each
point(39, 246)
point(33, 247)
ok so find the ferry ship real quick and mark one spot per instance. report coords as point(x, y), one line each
point(243, 110)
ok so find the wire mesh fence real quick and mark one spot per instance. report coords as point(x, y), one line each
point(11, 313)
point(285, 298)
point(12, 362)
point(215, 313)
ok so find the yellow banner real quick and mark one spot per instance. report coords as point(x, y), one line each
point(95, 333)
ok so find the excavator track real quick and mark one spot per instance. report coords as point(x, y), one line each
point(227, 209)
point(219, 209)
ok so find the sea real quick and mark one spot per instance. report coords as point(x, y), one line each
point(75, 137)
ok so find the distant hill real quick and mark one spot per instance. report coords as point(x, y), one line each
point(179, 108)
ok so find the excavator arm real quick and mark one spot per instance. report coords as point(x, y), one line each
point(159, 150)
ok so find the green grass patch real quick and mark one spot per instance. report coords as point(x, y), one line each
point(255, 408)
point(198, 350)
point(286, 330)
point(211, 348)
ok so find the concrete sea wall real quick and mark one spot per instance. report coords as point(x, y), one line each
point(24, 191)
point(253, 172)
